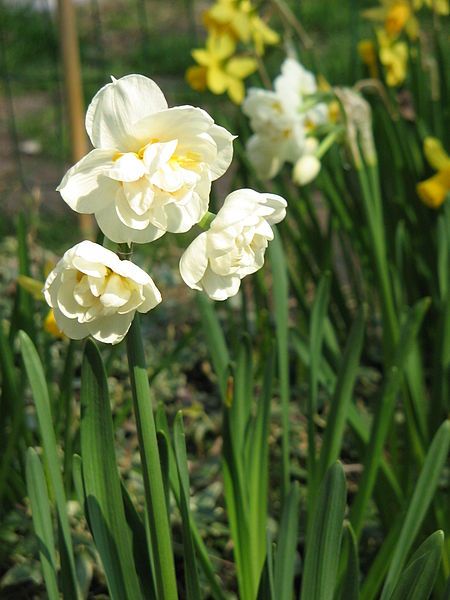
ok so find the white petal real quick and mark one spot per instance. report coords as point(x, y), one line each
point(224, 141)
point(127, 167)
point(71, 327)
point(218, 287)
point(152, 297)
point(128, 216)
point(111, 329)
point(118, 232)
point(182, 216)
point(118, 106)
point(265, 156)
point(86, 187)
point(116, 294)
point(194, 262)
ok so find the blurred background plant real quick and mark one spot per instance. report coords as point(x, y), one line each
point(339, 350)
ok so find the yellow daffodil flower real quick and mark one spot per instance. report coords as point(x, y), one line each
point(435, 189)
point(394, 58)
point(368, 54)
point(219, 70)
point(440, 7)
point(239, 20)
point(397, 16)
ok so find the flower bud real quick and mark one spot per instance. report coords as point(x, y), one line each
point(306, 169)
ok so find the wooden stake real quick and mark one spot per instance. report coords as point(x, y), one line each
point(74, 95)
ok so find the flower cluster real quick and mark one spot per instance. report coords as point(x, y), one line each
point(396, 22)
point(150, 173)
point(220, 68)
point(283, 121)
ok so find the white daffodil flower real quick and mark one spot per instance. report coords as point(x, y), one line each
point(93, 292)
point(280, 125)
point(152, 166)
point(234, 246)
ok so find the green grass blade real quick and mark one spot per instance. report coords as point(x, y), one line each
point(38, 385)
point(190, 561)
point(257, 463)
point(417, 581)
point(383, 417)
point(337, 417)
point(215, 340)
point(101, 480)
point(286, 546)
point(42, 521)
point(280, 299)
point(202, 553)
point(243, 393)
point(158, 522)
point(350, 584)
point(324, 541)
point(421, 499)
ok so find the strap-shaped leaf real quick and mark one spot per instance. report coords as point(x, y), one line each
point(287, 544)
point(101, 480)
point(324, 539)
point(419, 504)
point(42, 521)
point(350, 583)
point(417, 580)
point(190, 561)
point(38, 385)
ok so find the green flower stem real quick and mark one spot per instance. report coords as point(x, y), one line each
point(158, 520)
point(206, 220)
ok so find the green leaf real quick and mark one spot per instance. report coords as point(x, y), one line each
point(350, 584)
point(38, 385)
point(190, 561)
point(215, 339)
point(324, 540)
point(422, 497)
point(417, 581)
point(202, 553)
point(42, 521)
point(101, 480)
point(340, 403)
point(266, 589)
point(287, 545)
point(280, 291)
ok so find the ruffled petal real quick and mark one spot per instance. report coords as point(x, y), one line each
point(111, 329)
point(194, 262)
point(86, 187)
point(118, 232)
point(118, 106)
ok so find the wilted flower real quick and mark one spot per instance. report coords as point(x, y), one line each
point(234, 246)
point(434, 190)
point(219, 70)
point(152, 166)
point(93, 292)
point(279, 120)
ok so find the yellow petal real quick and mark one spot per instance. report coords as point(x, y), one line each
point(433, 191)
point(217, 80)
point(202, 56)
point(220, 46)
point(241, 67)
point(397, 18)
point(236, 91)
point(435, 154)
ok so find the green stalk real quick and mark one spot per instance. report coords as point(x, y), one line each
point(158, 520)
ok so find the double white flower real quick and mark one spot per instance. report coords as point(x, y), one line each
point(278, 120)
point(152, 166)
point(235, 244)
point(93, 292)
